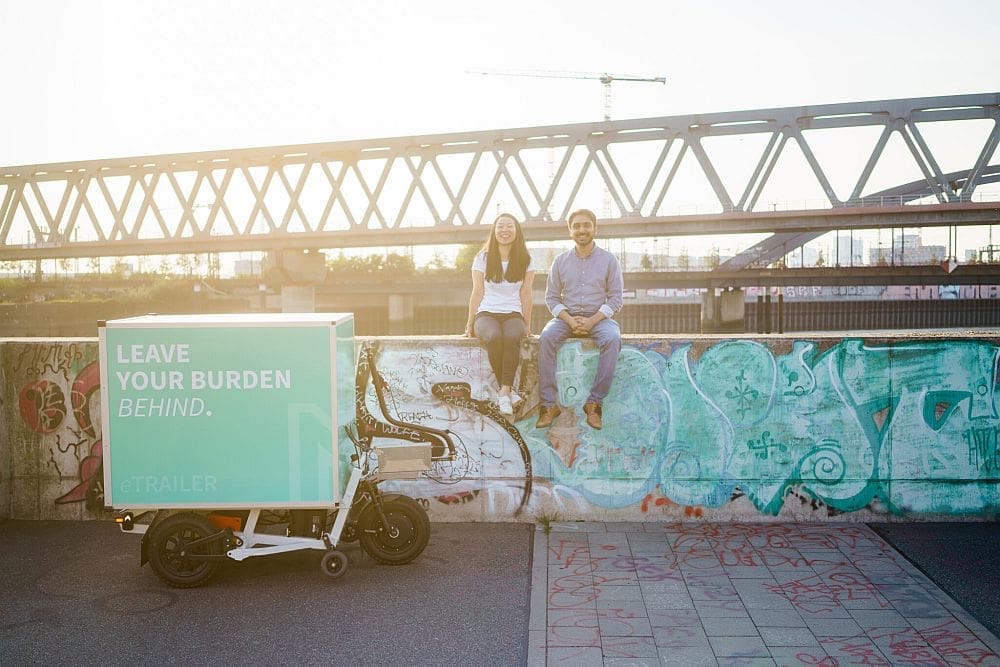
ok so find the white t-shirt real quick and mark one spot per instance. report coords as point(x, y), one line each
point(502, 297)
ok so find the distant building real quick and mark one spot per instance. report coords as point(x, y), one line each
point(850, 251)
point(907, 249)
point(246, 267)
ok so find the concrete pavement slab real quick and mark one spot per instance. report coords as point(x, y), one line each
point(746, 594)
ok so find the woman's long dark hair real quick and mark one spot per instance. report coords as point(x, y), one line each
point(517, 263)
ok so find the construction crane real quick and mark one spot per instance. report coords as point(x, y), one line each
point(605, 79)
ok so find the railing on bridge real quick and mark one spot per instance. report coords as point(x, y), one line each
point(438, 188)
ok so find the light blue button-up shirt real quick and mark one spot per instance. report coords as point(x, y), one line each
point(584, 286)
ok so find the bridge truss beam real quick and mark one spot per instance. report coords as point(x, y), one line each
point(436, 189)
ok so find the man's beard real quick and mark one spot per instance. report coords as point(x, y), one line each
point(582, 243)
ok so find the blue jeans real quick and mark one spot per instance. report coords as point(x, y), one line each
point(608, 338)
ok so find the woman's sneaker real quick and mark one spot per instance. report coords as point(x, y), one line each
point(515, 399)
point(505, 407)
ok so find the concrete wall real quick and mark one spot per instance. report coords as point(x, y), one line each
point(696, 428)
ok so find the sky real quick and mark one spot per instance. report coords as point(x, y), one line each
point(87, 80)
point(90, 80)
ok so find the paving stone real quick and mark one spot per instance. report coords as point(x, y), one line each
point(773, 601)
point(921, 609)
point(680, 635)
point(853, 650)
point(804, 575)
point(572, 636)
point(576, 527)
point(777, 636)
point(652, 661)
point(536, 648)
point(871, 601)
point(627, 527)
point(613, 563)
point(748, 572)
point(586, 618)
point(582, 569)
point(613, 592)
point(721, 592)
point(565, 579)
point(720, 608)
point(782, 559)
point(904, 646)
point(668, 586)
point(629, 607)
point(615, 579)
point(668, 601)
point(745, 662)
point(779, 618)
point(688, 657)
point(628, 647)
point(798, 656)
point(820, 606)
point(569, 601)
point(576, 657)
point(653, 574)
point(651, 548)
point(879, 618)
point(745, 647)
point(614, 625)
point(833, 627)
point(562, 548)
point(756, 586)
point(732, 627)
point(572, 584)
point(668, 618)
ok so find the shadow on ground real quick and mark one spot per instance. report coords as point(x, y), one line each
point(963, 558)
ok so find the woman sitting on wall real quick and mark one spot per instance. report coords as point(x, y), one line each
point(500, 305)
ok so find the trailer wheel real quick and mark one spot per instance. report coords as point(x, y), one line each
point(334, 564)
point(168, 550)
point(404, 538)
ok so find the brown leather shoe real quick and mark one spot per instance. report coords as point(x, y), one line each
point(593, 412)
point(546, 414)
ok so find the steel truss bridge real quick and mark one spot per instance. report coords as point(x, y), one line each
point(436, 189)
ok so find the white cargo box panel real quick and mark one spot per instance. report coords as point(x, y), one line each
point(226, 411)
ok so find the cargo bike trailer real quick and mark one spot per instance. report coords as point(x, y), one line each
point(220, 428)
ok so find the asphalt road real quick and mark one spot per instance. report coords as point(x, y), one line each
point(962, 558)
point(73, 593)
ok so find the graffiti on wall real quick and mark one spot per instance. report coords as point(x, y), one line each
point(692, 428)
point(68, 430)
point(831, 426)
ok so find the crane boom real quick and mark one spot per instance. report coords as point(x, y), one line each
point(603, 77)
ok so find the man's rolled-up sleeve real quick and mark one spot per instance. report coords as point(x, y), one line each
point(553, 291)
point(616, 287)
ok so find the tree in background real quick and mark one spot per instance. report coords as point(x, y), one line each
point(466, 255)
point(392, 266)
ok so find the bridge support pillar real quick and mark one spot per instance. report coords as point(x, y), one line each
point(298, 273)
point(723, 311)
point(400, 314)
point(298, 299)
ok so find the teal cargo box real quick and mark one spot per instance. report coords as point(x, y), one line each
point(226, 411)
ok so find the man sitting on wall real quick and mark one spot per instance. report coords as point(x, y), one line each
point(583, 293)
